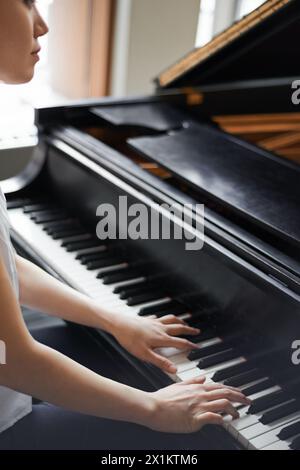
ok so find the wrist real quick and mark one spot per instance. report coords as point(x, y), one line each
point(146, 410)
point(103, 319)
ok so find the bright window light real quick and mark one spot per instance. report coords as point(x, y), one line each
point(206, 22)
point(246, 6)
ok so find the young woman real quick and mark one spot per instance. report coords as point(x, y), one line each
point(79, 408)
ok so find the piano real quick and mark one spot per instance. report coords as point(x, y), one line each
point(221, 130)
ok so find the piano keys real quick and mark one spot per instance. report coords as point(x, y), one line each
point(242, 289)
point(224, 356)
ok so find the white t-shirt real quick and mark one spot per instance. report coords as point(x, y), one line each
point(13, 405)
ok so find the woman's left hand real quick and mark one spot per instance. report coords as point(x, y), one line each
point(142, 335)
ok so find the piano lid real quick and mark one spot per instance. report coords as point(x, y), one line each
point(260, 187)
point(262, 45)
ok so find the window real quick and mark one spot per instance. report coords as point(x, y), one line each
point(246, 6)
point(206, 22)
point(217, 15)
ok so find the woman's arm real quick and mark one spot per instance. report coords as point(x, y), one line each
point(140, 336)
point(39, 371)
point(42, 292)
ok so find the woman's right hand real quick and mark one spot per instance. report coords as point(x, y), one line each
point(185, 407)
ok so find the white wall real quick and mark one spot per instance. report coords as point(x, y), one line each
point(150, 35)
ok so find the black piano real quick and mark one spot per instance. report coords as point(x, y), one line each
point(223, 130)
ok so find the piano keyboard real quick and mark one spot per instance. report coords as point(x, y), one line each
point(106, 272)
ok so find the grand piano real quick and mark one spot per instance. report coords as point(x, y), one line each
point(221, 130)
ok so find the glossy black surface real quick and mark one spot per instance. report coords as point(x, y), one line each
point(256, 184)
point(225, 294)
point(156, 116)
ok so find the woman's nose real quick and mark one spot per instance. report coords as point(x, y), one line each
point(41, 28)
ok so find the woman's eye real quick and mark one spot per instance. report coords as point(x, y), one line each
point(30, 2)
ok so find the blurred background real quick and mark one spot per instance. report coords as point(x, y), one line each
point(105, 47)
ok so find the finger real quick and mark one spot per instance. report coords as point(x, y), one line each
point(178, 343)
point(208, 418)
point(232, 395)
point(161, 362)
point(167, 319)
point(195, 380)
point(217, 386)
point(222, 406)
point(177, 330)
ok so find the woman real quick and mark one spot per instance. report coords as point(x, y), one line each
point(80, 408)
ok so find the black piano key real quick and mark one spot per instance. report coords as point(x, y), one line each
point(87, 257)
point(203, 319)
point(260, 404)
point(35, 214)
point(218, 358)
point(283, 410)
point(202, 325)
point(231, 371)
point(166, 308)
point(289, 431)
point(144, 298)
point(175, 312)
point(77, 238)
point(68, 223)
point(119, 275)
point(37, 208)
point(199, 315)
point(148, 267)
point(244, 378)
point(206, 351)
point(259, 387)
point(41, 219)
point(18, 203)
point(120, 289)
point(136, 289)
point(103, 263)
point(98, 256)
point(194, 321)
point(62, 234)
point(76, 246)
point(295, 444)
point(205, 335)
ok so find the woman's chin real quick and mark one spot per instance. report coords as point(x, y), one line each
point(20, 78)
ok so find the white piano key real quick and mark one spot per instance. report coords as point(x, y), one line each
point(190, 373)
point(267, 438)
point(63, 262)
point(174, 353)
point(233, 428)
point(260, 428)
point(279, 445)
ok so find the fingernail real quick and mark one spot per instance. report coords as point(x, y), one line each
point(172, 369)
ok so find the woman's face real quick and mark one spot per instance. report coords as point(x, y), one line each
point(20, 27)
